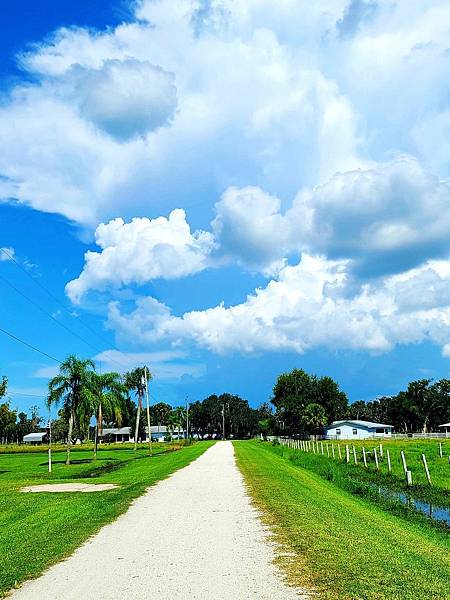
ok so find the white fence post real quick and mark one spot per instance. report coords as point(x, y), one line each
point(426, 468)
point(364, 457)
point(354, 455)
point(388, 456)
point(405, 468)
point(347, 454)
point(376, 457)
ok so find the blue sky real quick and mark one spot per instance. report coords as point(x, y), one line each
point(226, 191)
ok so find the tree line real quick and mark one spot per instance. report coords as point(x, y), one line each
point(305, 403)
point(300, 403)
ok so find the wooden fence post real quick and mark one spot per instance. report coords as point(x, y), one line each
point(405, 468)
point(440, 449)
point(375, 455)
point(340, 454)
point(328, 451)
point(388, 456)
point(321, 447)
point(347, 454)
point(332, 449)
point(354, 455)
point(381, 451)
point(408, 478)
point(426, 468)
point(364, 457)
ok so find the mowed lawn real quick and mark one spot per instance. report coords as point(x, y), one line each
point(37, 530)
point(342, 546)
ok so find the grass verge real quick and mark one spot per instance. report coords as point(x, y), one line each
point(340, 545)
point(38, 530)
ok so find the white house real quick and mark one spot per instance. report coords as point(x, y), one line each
point(357, 430)
point(446, 426)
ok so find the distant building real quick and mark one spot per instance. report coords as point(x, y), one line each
point(357, 430)
point(35, 438)
point(123, 434)
point(115, 434)
point(446, 426)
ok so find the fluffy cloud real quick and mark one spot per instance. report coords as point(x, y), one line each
point(125, 98)
point(373, 217)
point(388, 218)
point(249, 228)
point(307, 306)
point(140, 251)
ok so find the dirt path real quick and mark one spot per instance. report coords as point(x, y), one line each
point(192, 536)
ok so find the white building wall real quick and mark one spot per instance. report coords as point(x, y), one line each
point(347, 432)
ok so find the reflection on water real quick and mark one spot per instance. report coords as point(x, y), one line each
point(434, 512)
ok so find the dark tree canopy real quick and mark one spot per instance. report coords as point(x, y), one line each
point(295, 391)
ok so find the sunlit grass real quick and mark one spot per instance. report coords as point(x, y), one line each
point(344, 547)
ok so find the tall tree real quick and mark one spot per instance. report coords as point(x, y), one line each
point(106, 397)
point(71, 387)
point(135, 382)
point(160, 413)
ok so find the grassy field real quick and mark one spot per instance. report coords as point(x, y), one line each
point(340, 545)
point(365, 480)
point(39, 529)
point(413, 450)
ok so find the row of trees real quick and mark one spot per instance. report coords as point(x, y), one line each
point(422, 407)
point(305, 404)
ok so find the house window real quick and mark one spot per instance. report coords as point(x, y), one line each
point(355, 432)
point(338, 432)
point(379, 430)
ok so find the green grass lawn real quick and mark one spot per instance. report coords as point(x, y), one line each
point(37, 530)
point(413, 449)
point(340, 545)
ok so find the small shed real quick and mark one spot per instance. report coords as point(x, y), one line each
point(36, 438)
point(357, 430)
point(446, 427)
point(115, 434)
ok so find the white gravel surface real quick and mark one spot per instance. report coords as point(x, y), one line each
point(194, 536)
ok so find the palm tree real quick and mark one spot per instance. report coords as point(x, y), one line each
point(179, 415)
point(106, 396)
point(135, 382)
point(71, 387)
point(314, 417)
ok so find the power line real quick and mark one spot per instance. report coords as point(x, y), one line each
point(49, 315)
point(14, 337)
point(55, 299)
point(51, 295)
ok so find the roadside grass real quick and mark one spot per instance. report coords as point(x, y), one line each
point(38, 530)
point(339, 545)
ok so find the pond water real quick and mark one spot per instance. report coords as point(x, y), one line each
point(437, 513)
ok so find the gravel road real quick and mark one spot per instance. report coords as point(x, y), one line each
point(194, 536)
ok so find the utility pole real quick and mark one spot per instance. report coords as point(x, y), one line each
point(187, 419)
point(49, 440)
point(150, 449)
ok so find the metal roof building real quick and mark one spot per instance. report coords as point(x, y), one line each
point(356, 430)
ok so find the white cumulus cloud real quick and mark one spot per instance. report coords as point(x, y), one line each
point(140, 251)
point(307, 306)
